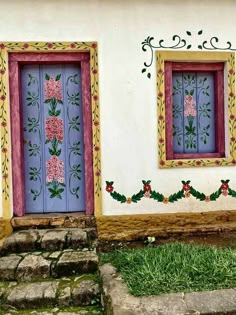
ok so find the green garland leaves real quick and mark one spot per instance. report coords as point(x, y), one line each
point(197, 194)
point(118, 197)
point(176, 196)
point(156, 196)
point(186, 191)
point(137, 197)
point(215, 195)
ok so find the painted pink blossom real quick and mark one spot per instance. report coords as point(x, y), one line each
point(224, 192)
point(53, 89)
point(207, 199)
point(54, 128)
point(189, 104)
point(147, 194)
point(55, 169)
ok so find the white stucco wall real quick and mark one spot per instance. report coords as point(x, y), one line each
point(127, 98)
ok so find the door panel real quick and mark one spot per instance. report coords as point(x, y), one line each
point(53, 138)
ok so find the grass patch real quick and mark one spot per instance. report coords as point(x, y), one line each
point(174, 267)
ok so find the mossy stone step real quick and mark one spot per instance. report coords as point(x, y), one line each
point(60, 292)
point(49, 312)
point(43, 265)
point(89, 310)
point(48, 239)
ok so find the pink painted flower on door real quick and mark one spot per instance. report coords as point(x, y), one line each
point(54, 128)
point(54, 132)
point(55, 170)
point(190, 106)
point(53, 88)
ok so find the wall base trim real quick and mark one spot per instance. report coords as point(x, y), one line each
point(133, 227)
point(5, 228)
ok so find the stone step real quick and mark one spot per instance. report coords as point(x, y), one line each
point(43, 265)
point(48, 239)
point(80, 291)
point(54, 220)
point(55, 311)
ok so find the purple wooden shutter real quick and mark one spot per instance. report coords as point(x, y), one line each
point(193, 112)
point(53, 138)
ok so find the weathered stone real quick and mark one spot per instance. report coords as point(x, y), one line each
point(8, 265)
point(46, 255)
point(54, 239)
point(80, 221)
point(33, 267)
point(87, 293)
point(133, 227)
point(166, 304)
point(212, 302)
point(119, 302)
point(77, 238)
point(33, 295)
point(55, 255)
point(21, 241)
point(64, 297)
point(29, 221)
point(91, 234)
point(72, 263)
point(2, 229)
point(82, 312)
point(59, 220)
point(5, 229)
point(2, 293)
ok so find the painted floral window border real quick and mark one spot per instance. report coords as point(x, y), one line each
point(230, 109)
point(5, 49)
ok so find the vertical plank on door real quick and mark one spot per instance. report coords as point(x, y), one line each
point(33, 138)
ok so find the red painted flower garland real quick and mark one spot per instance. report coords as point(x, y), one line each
point(186, 191)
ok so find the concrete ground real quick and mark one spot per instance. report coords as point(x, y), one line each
point(117, 300)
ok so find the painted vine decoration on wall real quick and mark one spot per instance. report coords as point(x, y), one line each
point(4, 105)
point(96, 125)
point(4, 126)
point(178, 42)
point(33, 125)
point(74, 125)
point(185, 192)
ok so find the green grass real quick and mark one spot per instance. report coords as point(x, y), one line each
point(174, 267)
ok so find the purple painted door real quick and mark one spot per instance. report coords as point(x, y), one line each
point(193, 112)
point(53, 138)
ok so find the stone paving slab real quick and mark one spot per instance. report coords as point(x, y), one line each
point(33, 294)
point(8, 267)
point(78, 262)
point(48, 239)
point(42, 265)
point(77, 292)
point(55, 311)
point(117, 300)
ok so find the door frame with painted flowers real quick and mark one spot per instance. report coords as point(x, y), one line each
point(87, 59)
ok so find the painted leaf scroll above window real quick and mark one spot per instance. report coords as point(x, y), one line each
point(193, 112)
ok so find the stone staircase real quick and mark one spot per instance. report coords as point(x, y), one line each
point(50, 272)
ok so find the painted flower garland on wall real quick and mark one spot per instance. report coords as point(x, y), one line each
point(54, 128)
point(185, 192)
